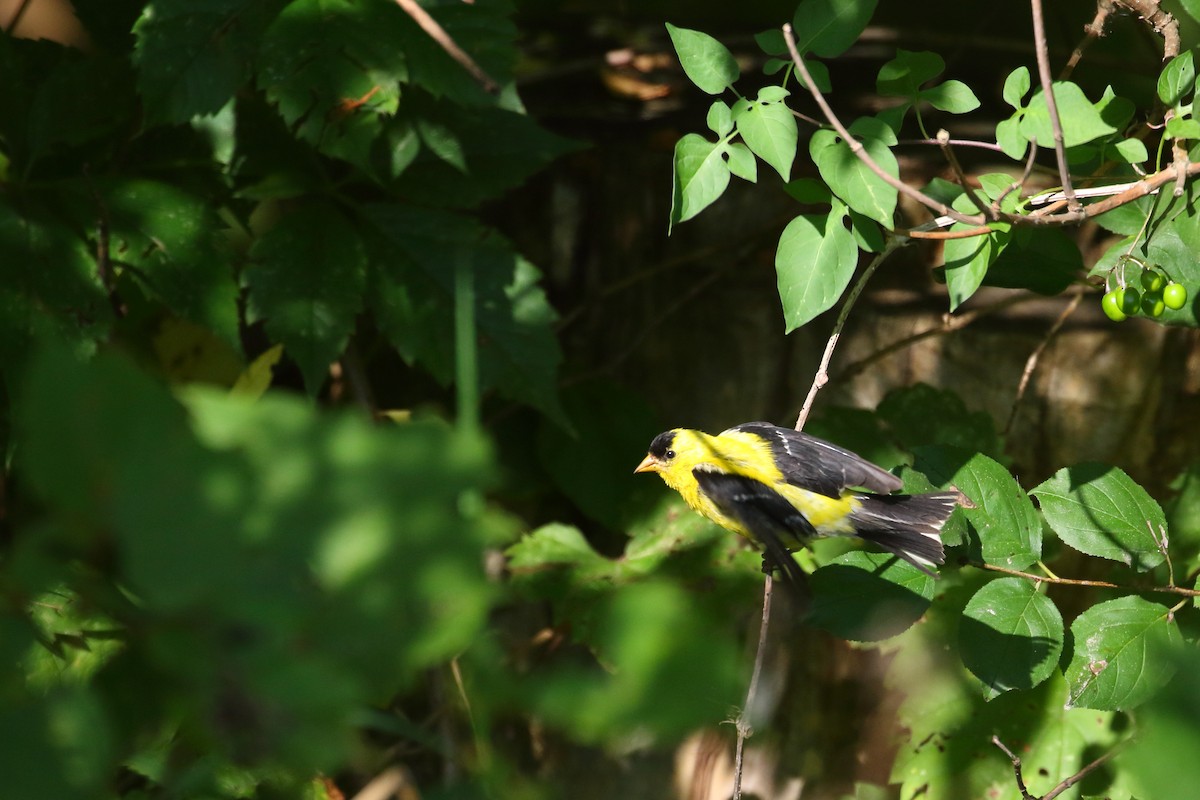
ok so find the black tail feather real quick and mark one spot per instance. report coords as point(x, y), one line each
point(908, 525)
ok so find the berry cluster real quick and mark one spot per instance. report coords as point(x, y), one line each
point(1158, 294)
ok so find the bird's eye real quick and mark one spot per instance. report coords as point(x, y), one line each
point(669, 454)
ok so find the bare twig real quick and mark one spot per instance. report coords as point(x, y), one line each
point(394, 782)
point(1057, 581)
point(1043, 62)
point(856, 146)
point(1015, 185)
point(1032, 362)
point(745, 728)
point(956, 142)
point(1091, 32)
point(1067, 783)
point(12, 24)
point(1016, 765)
point(1160, 21)
point(943, 140)
point(439, 35)
point(822, 376)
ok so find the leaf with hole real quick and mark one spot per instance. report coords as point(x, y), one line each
point(769, 130)
point(701, 176)
point(1122, 653)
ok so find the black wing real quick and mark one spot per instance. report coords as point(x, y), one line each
point(767, 515)
point(819, 466)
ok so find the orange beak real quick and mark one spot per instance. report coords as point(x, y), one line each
point(649, 464)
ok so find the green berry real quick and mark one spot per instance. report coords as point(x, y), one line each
point(1153, 280)
point(1153, 305)
point(1112, 306)
point(1174, 296)
point(1129, 299)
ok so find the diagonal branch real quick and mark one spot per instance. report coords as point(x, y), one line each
point(439, 35)
point(856, 146)
point(822, 376)
point(1043, 62)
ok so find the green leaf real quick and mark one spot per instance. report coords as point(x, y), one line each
point(1016, 86)
point(1177, 79)
point(814, 263)
point(306, 279)
point(192, 58)
point(866, 596)
point(1008, 531)
point(500, 148)
point(1008, 136)
point(412, 290)
point(921, 415)
point(1121, 653)
point(49, 287)
point(1099, 510)
point(949, 756)
point(552, 545)
point(719, 121)
point(1011, 636)
point(953, 97)
point(705, 61)
point(1183, 128)
point(1042, 260)
point(904, 74)
point(669, 670)
point(849, 178)
point(1130, 151)
point(829, 27)
point(171, 236)
point(769, 130)
point(1166, 730)
point(967, 261)
point(701, 176)
point(742, 162)
point(1081, 121)
point(333, 71)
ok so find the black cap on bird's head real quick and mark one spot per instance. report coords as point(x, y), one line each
point(660, 453)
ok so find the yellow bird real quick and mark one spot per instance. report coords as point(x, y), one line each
point(781, 488)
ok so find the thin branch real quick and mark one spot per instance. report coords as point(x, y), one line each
point(822, 376)
point(439, 35)
point(394, 782)
point(1160, 21)
point(856, 146)
point(1032, 362)
point(956, 142)
point(1177, 590)
point(1016, 765)
point(744, 727)
point(1067, 783)
point(16, 18)
point(943, 140)
point(1091, 32)
point(1043, 62)
point(1015, 185)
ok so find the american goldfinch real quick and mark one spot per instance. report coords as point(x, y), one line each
point(781, 487)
